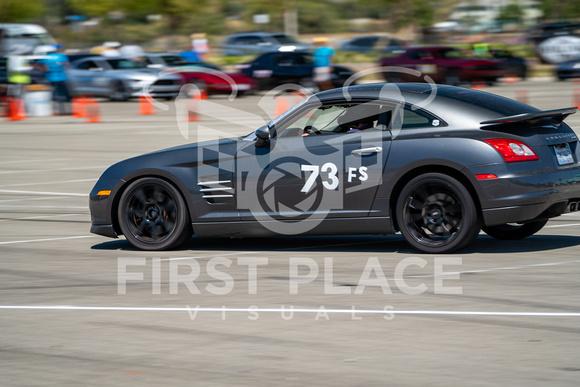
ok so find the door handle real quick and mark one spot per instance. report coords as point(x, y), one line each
point(367, 151)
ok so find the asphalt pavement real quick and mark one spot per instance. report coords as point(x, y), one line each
point(80, 309)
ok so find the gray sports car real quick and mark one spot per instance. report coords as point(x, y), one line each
point(435, 163)
point(120, 79)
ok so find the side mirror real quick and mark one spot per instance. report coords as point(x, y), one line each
point(263, 136)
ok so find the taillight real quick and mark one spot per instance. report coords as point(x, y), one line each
point(512, 150)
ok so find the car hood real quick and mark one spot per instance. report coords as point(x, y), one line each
point(187, 155)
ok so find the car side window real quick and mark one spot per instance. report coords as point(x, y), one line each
point(407, 118)
point(421, 55)
point(337, 119)
point(285, 60)
point(87, 65)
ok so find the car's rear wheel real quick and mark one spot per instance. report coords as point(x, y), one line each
point(201, 86)
point(514, 231)
point(153, 215)
point(436, 214)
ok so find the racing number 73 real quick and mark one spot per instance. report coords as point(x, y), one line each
point(332, 176)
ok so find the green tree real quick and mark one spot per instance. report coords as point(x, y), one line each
point(16, 11)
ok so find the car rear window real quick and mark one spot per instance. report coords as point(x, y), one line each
point(495, 103)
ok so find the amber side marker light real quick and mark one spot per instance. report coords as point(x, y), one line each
point(104, 193)
point(486, 176)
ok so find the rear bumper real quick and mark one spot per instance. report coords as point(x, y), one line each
point(533, 195)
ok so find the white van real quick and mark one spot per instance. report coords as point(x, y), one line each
point(22, 39)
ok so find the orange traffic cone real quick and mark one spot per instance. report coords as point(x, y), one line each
point(92, 111)
point(577, 97)
point(203, 93)
point(510, 78)
point(522, 96)
point(282, 104)
point(79, 107)
point(145, 107)
point(191, 106)
point(16, 110)
point(478, 85)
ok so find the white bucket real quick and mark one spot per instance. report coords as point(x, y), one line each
point(38, 102)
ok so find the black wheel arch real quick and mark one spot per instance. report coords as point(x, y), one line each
point(421, 170)
point(129, 179)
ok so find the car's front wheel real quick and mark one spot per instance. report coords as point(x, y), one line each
point(514, 231)
point(119, 92)
point(153, 215)
point(436, 214)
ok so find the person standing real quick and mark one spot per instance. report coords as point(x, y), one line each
point(55, 64)
point(18, 70)
point(200, 45)
point(323, 64)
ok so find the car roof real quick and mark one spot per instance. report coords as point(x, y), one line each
point(455, 103)
point(256, 34)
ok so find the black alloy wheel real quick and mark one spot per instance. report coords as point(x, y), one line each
point(436, 214)
point(153, 215)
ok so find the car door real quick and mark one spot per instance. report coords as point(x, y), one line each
point(329, 173)
point(90, 77)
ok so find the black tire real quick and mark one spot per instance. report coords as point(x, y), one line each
point(201, 85)
point(119, 92)
point(153, 215)
point(436, 214)
point(514, 231)
point(452, 77)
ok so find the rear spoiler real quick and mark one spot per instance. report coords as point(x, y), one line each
point(557, 115)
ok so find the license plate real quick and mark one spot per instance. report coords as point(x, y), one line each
point(564, 154)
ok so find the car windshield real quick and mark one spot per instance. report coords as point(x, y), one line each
point(172, 60)
point(125, 64)
point(285, 39)
point(451, 53)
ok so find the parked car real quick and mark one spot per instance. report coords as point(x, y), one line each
point(443, 64)
point(277, 68)
point(255, 43)
point(3, 76)
point(437, 172)
point(556, 42)
point(205, 76)
point(373, 43)
point(568, 70)
point(120, 78)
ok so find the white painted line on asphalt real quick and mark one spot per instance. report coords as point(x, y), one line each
point(47, 183)
point(41, 217)
point(491, 269)
point(34, 199)
point(212, 256)
point(46, 240)
point(42, 193)
point(30, 161)
point(44, 207)
point(563, 225)
point(287, 310)
point(54, 169)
